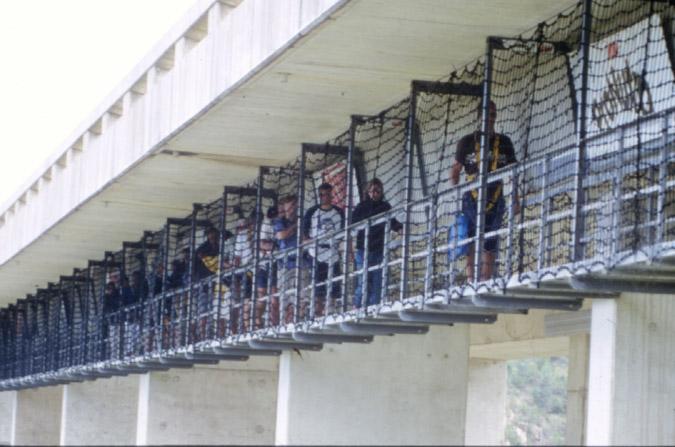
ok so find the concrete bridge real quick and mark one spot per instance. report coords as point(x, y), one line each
point(228, 99)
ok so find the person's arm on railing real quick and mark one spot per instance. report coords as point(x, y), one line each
point(285, 233)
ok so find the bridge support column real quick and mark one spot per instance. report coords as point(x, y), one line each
point(7, 399)
point(37, 416)
point(101, 412)
point(577, 389)
point(631, 386)
point(228, 403)
point(486, 402)
point(407, 389)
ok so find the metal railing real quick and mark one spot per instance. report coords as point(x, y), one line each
point(602, 204)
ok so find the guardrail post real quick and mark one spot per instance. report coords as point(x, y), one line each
point(348, 213)
point(165, 287)
point(256, 251)
point(213, 331)
point(483, 167)
point(410, 149)
point(578, 226)
point(300, 209)
point(190, 270)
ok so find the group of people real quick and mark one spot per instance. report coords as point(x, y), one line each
point(121, 308)
point(126, 295)
point(318, 273)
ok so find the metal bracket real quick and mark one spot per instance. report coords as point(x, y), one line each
point(448, 88)
point(183, 359)
point(313, 337)
point(446, 318)
point(559, 292)
point(284, 345)
point(245, 351)
point(519, 302)
point(112, 372)
point(617, 284)
point(313, 148)
point(470, 308)
point(209, 357)
point(352, 327)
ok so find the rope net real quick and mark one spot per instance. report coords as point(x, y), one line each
point(567, 167)
point(380, 153)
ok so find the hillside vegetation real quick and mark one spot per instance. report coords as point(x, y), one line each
point(536, 401)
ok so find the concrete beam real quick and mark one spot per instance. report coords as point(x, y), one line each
point(486, 403)
point(538, 334)
point(7, 399)
point(631, 386)
point(577, 389)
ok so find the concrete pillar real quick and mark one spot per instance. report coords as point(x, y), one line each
point(486, 403)
point(406, 389)
point(631, 386)
point(577, 389)
point(229, 403)
point(37, 416)
point(101, 412)
point(6, 411)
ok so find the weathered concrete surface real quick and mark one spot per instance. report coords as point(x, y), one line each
point(231, 403)
point(399, 390)
point(516, 337)
point(100, 412)
point(6, 413)
point(577, 389)
point(37, 416)
point(486, 403)
point(631, 386)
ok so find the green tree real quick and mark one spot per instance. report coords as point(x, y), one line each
point(536, 401)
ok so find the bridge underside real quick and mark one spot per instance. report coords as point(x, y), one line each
point(359, 59)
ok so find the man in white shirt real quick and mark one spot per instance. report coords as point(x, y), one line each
point(320, 222)
point(266, 277)
point(243, 258)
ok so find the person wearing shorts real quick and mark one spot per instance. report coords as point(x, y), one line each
point(501, 153)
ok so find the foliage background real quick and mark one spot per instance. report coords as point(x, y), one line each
point(536, 401)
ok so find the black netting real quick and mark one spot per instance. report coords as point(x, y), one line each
point(629, 156)
point(151, 253)
point(5, 345)
point(379, 162)
point(96, 291)
point(567, 168)
point(234, 292)
point(275, 277)
point(322, 228)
